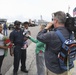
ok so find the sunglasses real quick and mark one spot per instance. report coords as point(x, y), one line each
point(53, 19)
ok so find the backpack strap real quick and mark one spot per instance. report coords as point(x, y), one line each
point(61, 37)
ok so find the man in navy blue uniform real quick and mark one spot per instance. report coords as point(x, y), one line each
point(17, 38)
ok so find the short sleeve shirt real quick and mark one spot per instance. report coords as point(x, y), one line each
point(17, 37)
point(1, 44)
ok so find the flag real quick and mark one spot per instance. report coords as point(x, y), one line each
point(74, 11)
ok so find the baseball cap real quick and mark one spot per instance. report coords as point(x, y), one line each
point(17, 22)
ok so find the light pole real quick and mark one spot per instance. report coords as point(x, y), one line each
point(68, 9)
point(41, 19)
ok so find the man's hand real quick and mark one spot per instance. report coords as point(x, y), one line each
point(27, 36)
point(4, 47)
point(11, 52)
point(49, 25)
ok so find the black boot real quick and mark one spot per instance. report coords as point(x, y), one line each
point(15, 73)
point(0, 73)
point(24, 70)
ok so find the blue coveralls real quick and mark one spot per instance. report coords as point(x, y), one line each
point(17, 38)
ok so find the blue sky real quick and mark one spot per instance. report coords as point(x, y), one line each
point(32, 9)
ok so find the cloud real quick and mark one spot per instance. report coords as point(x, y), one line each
point(24, 9)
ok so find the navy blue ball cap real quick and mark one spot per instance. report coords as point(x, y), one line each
point(17, 22)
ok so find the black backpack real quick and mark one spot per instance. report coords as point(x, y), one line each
point(67, 53)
